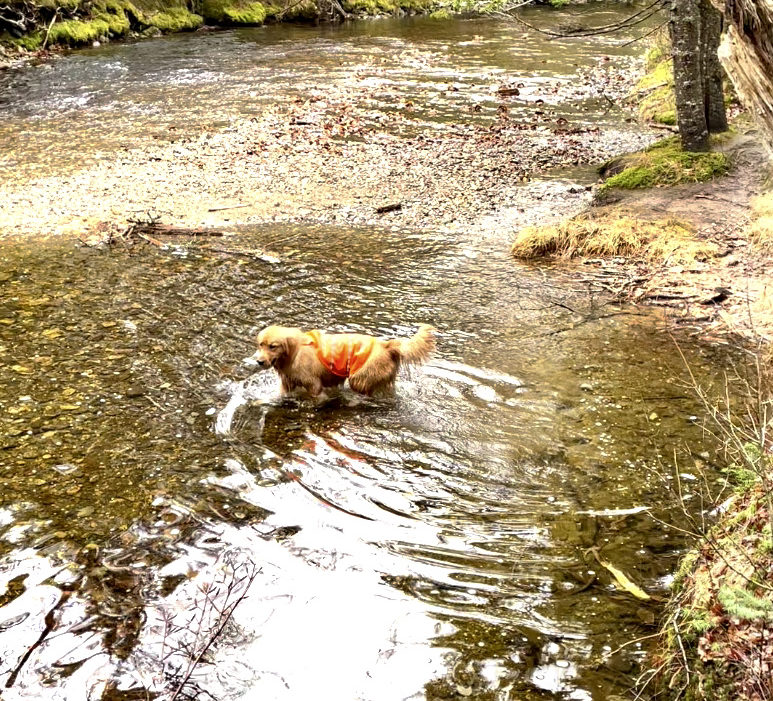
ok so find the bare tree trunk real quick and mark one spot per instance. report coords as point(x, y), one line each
point(747, 55)
point(711, 69)
point(685, 28)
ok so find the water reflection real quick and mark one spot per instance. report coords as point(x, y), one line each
point(435, 544)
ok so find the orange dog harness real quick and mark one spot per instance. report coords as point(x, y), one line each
point(343, 354)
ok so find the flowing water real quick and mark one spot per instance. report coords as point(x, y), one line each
point(444, 543)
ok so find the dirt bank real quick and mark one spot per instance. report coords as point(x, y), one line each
point(716, 279)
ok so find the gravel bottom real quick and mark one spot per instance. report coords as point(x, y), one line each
point(326, 159)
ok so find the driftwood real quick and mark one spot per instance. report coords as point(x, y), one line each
point(389, 208)
point(153, 228)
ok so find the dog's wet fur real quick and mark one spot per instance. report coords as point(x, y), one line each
point(288, 351)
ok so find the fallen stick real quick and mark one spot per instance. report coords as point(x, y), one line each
point(165, 230)
point(228, 206)
point(389, 208)
point(150, 239)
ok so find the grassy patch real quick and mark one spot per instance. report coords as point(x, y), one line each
point(589, 235)
point(666, 163)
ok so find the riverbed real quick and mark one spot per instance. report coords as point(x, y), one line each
point(169, 524)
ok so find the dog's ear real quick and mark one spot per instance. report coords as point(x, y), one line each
point(289, 346)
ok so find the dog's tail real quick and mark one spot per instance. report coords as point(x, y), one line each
point(417, 349)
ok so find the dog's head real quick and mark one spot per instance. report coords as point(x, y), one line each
point(276, 345)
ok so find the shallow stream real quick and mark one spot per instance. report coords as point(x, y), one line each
point(444, 543)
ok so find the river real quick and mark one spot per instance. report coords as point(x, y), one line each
point(167, 523)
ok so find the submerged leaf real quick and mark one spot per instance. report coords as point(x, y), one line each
point(624, 582)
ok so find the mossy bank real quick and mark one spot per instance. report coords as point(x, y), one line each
point(30, 26)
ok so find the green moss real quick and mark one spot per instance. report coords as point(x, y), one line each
point(229, 12)
point(74, 32)
point(686, 567)
point(656, 54)
point(440, 14)
point(661, 74)
point(656, 102)
point(666, 163)
point(118, 24)
point(174, 20)
point(385, 7)
point(253, 13)
point(743, 479)
point(29, 42)
point(370, 7)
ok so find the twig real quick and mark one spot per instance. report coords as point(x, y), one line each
point(222, 623)
point(228, 206)
point(48, 31)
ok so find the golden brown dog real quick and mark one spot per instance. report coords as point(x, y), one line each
point(312, 360)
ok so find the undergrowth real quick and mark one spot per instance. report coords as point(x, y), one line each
point(717, 636)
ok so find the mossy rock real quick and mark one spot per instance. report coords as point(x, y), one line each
point(75, 32)
point(665, 163)
point(174, 20)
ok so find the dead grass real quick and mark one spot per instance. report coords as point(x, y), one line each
point(605, 236)
point(760, 230)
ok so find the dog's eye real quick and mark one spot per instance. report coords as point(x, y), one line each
point(273, 346)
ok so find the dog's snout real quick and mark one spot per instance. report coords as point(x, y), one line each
point(262, 362)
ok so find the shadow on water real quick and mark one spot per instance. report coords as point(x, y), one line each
point(434, 544)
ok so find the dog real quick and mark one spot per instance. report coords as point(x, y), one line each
point(313, 361)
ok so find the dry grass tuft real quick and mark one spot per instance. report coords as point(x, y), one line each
point(608, 236)
point(760, 229)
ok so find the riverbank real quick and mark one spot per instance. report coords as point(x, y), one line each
point(31, 28)
point(711, 271)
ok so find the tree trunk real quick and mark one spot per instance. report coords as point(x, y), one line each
point(711, 69)
point(685, 29)
point(747, 55)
